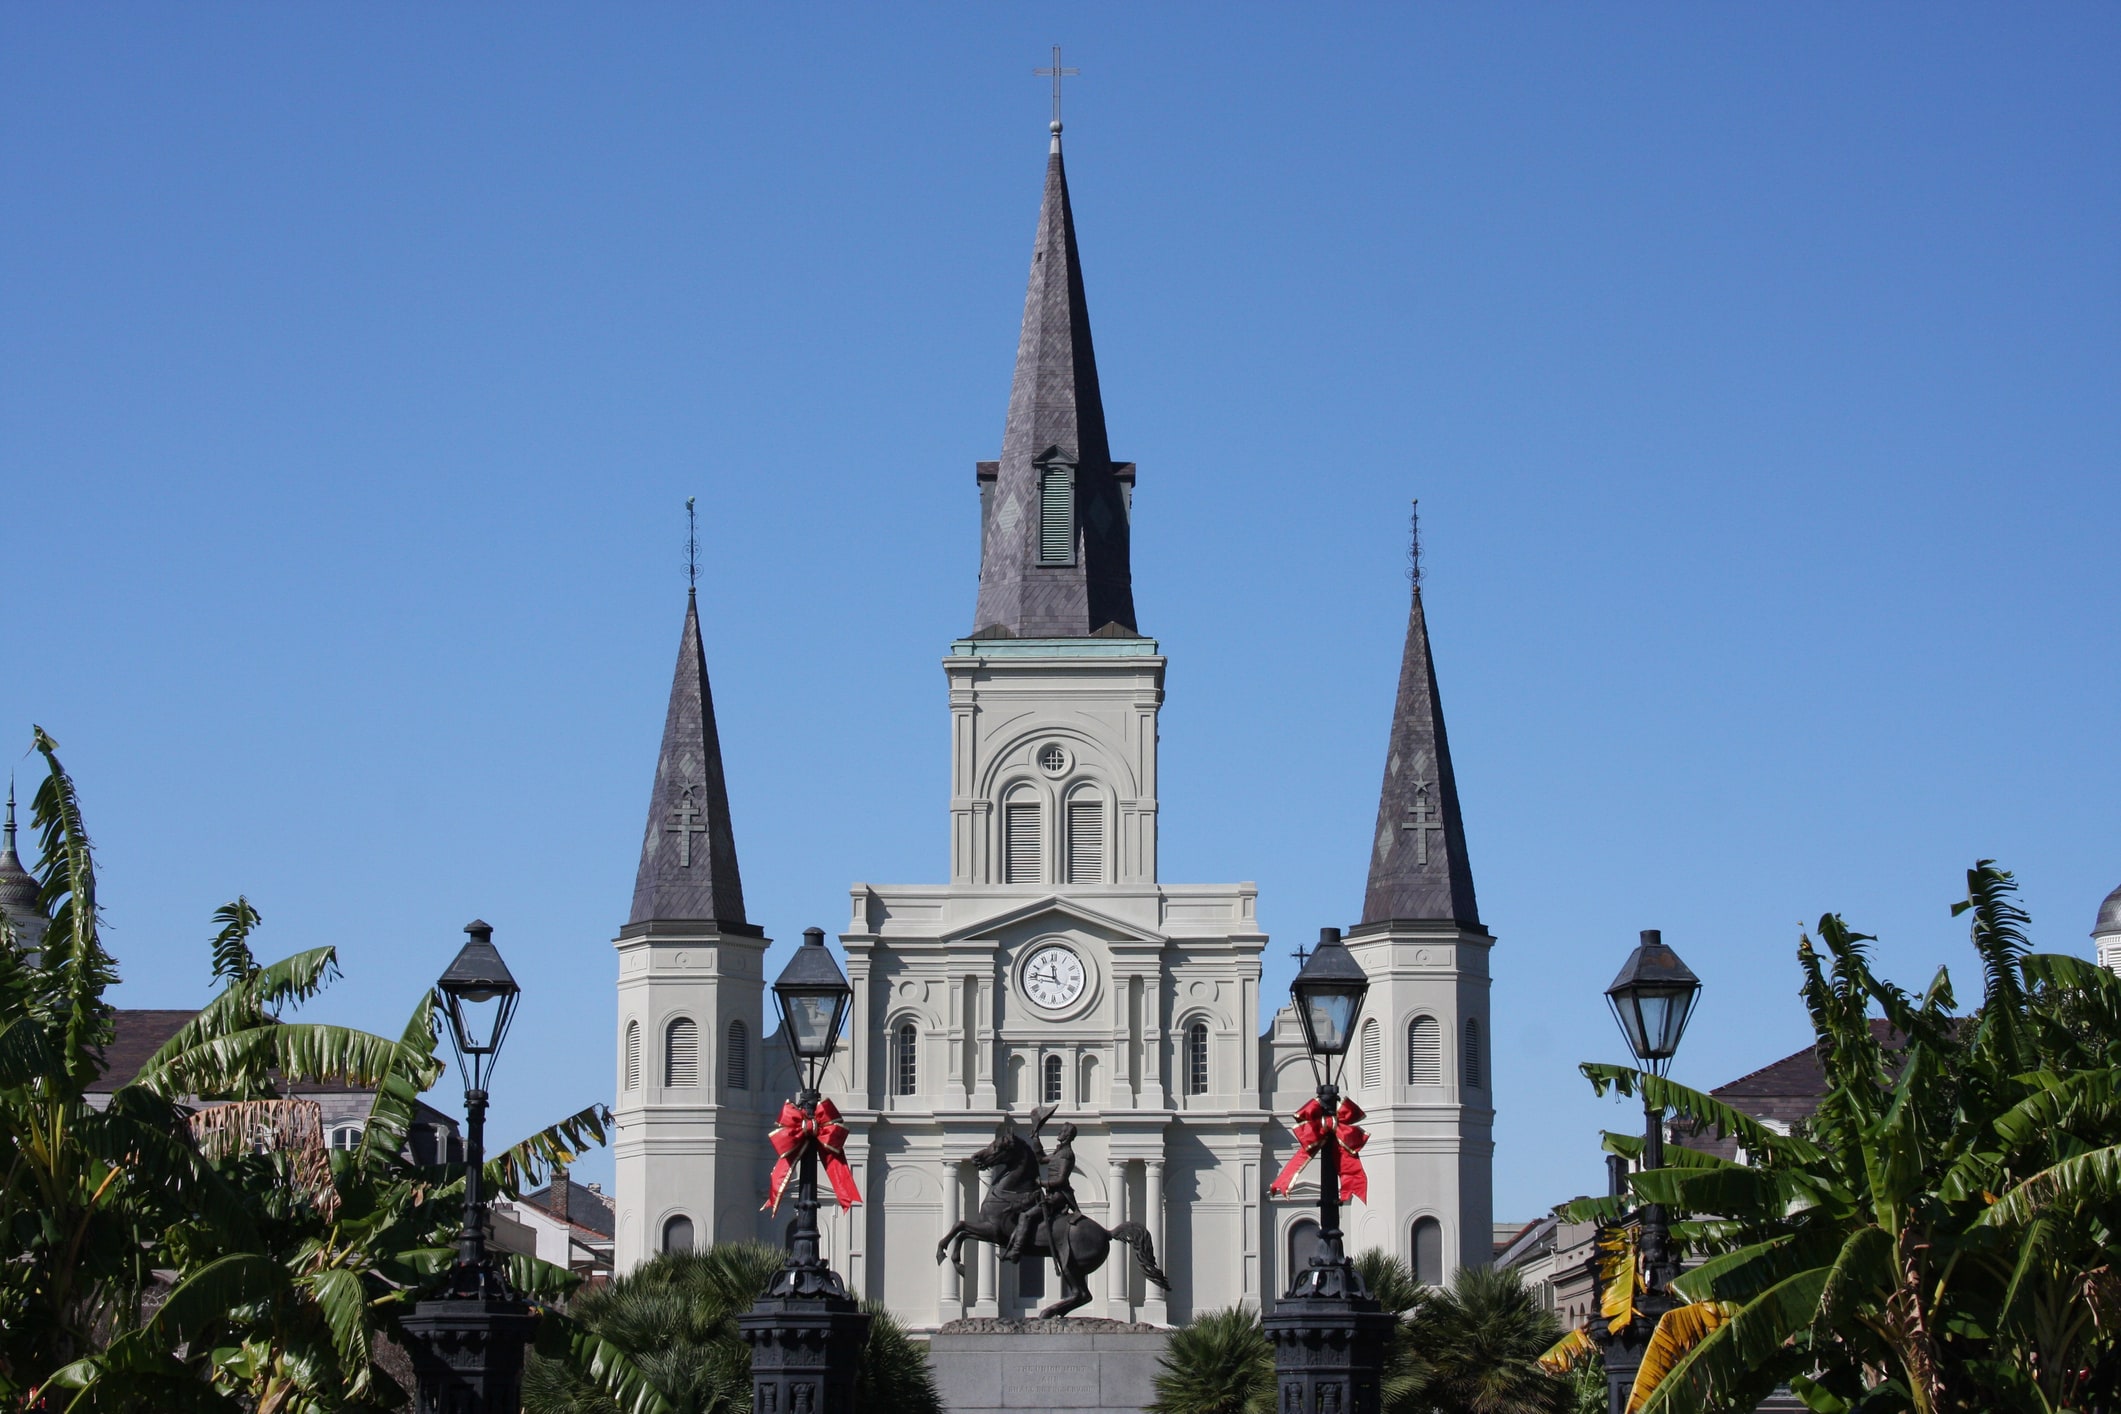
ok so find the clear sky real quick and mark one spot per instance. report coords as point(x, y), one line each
point(1756, 368)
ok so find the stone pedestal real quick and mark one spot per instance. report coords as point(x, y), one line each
point(1329, 1354)
point(803, 1352)
point(467, 1354)
point(1063, 1366)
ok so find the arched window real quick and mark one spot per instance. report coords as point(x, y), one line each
point(905, 1060)
point(1086, 838)
point(1056, 515)
point(1053, 1080)
point(1197, 1058)
point(1020, 843)
point(1303, 1245)
point(346, 1136)
point(1472, 1054)
point(1372, 1056)
point(1424, 1051)
point(681, 1053)
point(737, 1063)
point(677, 1234)
point(633, 1055)
point(1428, 1251)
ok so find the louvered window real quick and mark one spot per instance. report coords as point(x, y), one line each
point(908, 1043)
point(1053, 1080)
point(633, 1055)
point(1472, 1054)
point(1020, 842)
point(1424, 1051)
point(1056, 516)
point(1372, 1061)
point(1086, 841)
point(737, 1065)
point(681, 1053)
point(1197, 1058)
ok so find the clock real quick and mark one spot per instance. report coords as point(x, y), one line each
point(1053, 977)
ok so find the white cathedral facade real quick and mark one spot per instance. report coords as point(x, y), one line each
point(1055, 965)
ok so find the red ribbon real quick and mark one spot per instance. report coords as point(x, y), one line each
point(796, 1132)
point(1313, 1124)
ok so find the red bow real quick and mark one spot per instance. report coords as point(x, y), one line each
point(795, 1132)
point(1313, 1124)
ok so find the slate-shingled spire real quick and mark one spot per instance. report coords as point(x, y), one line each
point(1053, 552)
point(688, 855)
point(1418, 868)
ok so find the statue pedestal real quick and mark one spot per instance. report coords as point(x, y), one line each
point(1063, 1366)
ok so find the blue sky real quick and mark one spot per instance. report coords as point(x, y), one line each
point(1756, 369)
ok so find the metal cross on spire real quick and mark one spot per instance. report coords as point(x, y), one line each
point(692, 546)
point(1057, 73)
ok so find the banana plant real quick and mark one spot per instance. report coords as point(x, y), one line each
point(1939, 1236)
point(291, 1264)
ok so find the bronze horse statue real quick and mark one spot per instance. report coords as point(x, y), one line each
point(1017, 1164)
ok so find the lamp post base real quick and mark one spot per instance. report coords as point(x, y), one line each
point(1329, 1353)
point(467, 1354)
point(803, 1353)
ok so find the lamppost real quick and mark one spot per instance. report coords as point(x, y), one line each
point(805, 1331)
point(1328, 1333)
point(1652, 999)
point(467, 1345)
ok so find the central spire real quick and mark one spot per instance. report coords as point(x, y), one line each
point(1054, 509)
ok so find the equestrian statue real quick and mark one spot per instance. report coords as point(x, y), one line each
point(1030, 1211)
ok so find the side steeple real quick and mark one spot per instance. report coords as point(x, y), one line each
point(1054, 509)
point(688, 855)
point(1418, 868)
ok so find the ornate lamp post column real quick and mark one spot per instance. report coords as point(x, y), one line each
point(805, 1332)
point(467, 1345)
point(1652, 999)
point(1328, 1334)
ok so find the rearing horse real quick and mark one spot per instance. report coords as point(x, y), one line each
point(1013, 1189)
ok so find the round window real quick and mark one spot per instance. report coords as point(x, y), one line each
point(1053, 758)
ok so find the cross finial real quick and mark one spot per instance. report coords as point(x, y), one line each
point(1057, 73)
point(1414, 545)
point(692, 546)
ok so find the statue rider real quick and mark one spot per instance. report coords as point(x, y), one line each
point(1055, 1204)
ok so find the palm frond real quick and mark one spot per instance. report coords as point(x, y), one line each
point(412, 1069)
point(1567, 1353)
point(73, 946)
point(233, 959)
point(1704, 1109)
point(2088, 1178)
point(1739, 1352)
point(343, 1301)
point(531, 1161)
point(1678, 1331)
point(291, 1050)
point(605, 1366)
point(294, 1128)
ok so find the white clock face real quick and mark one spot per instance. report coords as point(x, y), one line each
point(1053, 977)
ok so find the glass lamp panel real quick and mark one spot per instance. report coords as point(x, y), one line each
point(1329, 1018)
point(477, 1018)
point(1655, 1008)
point(1629, 1016)
point(811, 1018)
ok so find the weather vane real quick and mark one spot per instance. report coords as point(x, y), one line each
point(692, 546)
point(1057, 73)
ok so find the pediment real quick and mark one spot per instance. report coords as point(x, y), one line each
point(1051, 906)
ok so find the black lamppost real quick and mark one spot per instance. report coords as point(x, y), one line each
point(467, 1345)
point(1652, 999)
point(805, 1331)
point(1328, 1334)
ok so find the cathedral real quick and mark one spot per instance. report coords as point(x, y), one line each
point(1054, 965)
